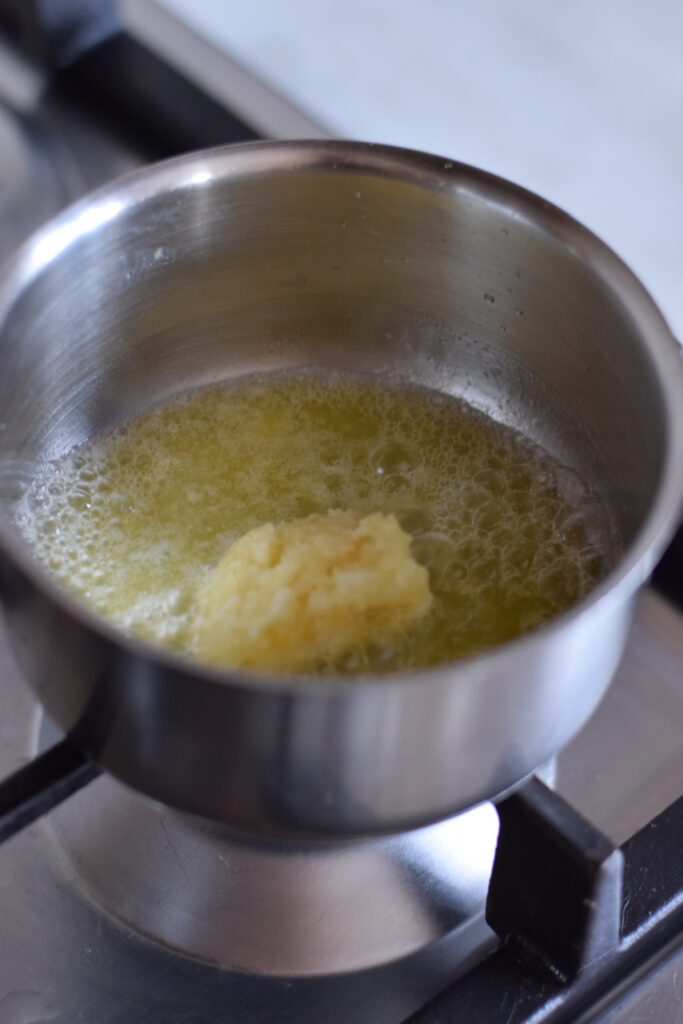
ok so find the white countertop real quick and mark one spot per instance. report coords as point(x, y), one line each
point(581, 102)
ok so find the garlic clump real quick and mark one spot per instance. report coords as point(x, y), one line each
point(295, 596)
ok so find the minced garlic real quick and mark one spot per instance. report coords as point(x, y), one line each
point(292, 596)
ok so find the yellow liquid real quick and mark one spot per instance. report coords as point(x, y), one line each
point(134, 519)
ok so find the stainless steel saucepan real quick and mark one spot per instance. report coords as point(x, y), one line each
point(354, 256)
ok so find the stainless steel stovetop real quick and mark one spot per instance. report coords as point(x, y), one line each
point(115, 908)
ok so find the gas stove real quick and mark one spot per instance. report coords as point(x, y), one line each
point(565, 903)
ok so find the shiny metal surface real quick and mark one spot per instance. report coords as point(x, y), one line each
point(37, 179)
point(65, 955)
point(64, 958)
point(51, 153)
point(280, 909)
point(335, 255)
point(626, 765)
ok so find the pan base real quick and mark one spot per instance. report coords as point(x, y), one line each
point(278, 909)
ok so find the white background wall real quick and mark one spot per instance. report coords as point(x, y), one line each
point(579, 100)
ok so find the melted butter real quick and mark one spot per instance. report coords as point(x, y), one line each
point(133, 520)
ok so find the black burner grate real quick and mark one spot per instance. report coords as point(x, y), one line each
point(576, 937)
